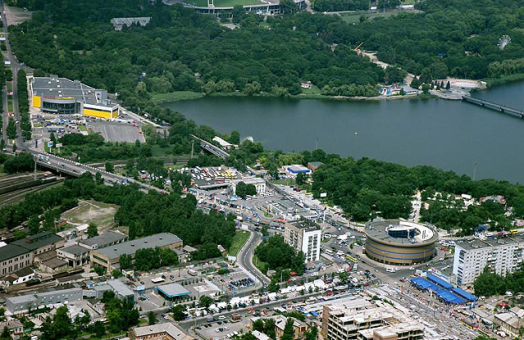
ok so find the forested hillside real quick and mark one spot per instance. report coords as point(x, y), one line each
point(450, 37)
point(182, 50)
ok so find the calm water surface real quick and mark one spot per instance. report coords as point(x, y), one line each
point(451, 135)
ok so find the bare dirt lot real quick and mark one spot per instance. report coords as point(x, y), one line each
point(102, 214)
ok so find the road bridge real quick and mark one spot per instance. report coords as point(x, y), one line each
point(72, 168)
point(211, 148)
point(493, 106)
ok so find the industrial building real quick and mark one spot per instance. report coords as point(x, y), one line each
point(109, 257)
point(63, 96)
point(20, 254)
point(398, 242)
point(499, 255)
point(121, 290)
point(361, 319)
point(21, 304)
point(107, 239)
point(304, 235)
point(74, 255)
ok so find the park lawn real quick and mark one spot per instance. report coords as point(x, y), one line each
point(259, 264)
point(238, 242)
point(176, 96)
point(224, 3)
point(284, 181)
point(354, 18)
point(82, 128)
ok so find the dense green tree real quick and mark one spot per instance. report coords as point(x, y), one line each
point(277, 254)
point(92, 230)
point(179, 313)
point(151, 318)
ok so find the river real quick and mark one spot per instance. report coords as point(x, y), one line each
point(450, 135)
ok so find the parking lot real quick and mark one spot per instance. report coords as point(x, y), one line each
point(117, 132)
point(221, 329)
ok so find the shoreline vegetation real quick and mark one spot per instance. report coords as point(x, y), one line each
point(187, 95)
point(176, 96)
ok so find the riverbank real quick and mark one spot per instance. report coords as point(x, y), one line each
point(172, 97)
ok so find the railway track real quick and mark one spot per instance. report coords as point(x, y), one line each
point(18, 195)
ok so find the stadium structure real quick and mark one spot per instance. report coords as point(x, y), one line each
point(397, 242)
point(63, 96)
point(224, 8)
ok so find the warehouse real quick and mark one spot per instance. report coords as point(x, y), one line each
point(109, 257)
point(399, 242)
point(63, 96)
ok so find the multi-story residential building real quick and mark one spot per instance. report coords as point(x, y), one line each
point(355, 317)
point(499, 255)
point(305, 236)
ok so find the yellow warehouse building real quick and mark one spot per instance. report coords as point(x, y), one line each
point(63, 96)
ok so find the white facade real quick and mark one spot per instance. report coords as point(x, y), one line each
point(259, 183)
point(500, 256)
point(305, 239)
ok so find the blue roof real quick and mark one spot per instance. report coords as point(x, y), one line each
point(424, 284)
point(314, 313)
point(464, 294)
point(447, 296)
point(439, 281)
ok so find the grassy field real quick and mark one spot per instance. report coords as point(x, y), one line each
point(176, 96)
point(238, 242)
point(354, 18)
point(224, 3)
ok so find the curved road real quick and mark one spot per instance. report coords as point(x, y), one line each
point(245, 258)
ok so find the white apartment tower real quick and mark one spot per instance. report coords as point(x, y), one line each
point(500, 256)
point(304, 236)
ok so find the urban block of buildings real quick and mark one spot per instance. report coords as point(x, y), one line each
point(304, 235)
point(361, 319)
point(63, 96)
point(499, 255)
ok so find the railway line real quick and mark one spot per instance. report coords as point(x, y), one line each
point(18, 195)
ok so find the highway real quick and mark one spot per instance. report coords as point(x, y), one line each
point(245, 258)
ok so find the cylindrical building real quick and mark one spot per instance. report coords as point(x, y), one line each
point(400, 242)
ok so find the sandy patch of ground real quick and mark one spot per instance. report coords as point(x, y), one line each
point(15, 15)
point(102, 214)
